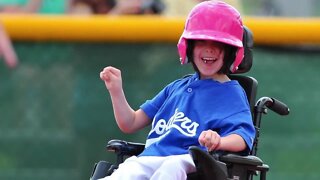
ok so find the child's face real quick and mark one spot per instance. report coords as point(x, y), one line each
point(208, 57)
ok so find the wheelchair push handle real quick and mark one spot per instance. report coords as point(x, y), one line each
point(279, 107)
point(274, 105)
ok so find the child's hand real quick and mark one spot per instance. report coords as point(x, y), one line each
point(210, 139)
point(112, 78)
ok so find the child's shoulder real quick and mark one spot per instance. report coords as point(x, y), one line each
point(186, 79)
point(187, 76)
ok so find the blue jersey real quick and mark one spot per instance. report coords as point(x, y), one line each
point(188, 106)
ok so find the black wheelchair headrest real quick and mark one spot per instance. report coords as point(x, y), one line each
point(247, 41)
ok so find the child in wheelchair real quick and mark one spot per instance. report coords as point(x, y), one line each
point(205, 109)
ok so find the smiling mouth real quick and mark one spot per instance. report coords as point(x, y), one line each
point(208, 60)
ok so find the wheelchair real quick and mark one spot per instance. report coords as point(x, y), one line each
point(214, 166)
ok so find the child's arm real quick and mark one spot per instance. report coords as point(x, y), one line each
point(213, 141)
point(127, 119)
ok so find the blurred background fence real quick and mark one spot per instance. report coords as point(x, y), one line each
point(56, 115)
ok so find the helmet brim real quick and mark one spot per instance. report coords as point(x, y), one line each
point(213, 36)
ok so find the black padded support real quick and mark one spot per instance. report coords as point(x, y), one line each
point(250, 86)
point(208, 168)
point(101, 170)
point(247, 41)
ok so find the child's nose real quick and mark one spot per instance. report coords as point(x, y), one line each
point(212, 49)
point(209, 51)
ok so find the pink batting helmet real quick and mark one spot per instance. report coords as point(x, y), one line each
point(217, 21)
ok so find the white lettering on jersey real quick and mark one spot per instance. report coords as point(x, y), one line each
point(178, 121)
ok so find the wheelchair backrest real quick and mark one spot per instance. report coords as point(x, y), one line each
point(250, 86)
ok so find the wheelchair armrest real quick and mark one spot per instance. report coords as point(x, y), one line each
point(241, 165)
point(245, 160)
point(124, 147)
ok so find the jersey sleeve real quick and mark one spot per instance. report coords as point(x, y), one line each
point(237, 119)
point(241, 124)
point(151, 107)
